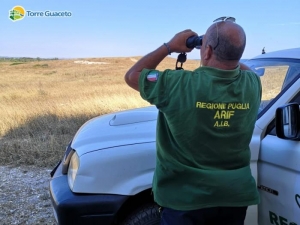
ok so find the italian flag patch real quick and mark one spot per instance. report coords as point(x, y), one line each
point(153, 76)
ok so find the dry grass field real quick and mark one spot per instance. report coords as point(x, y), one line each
point(43, 103)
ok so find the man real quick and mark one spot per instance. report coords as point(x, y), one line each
point(205, 123)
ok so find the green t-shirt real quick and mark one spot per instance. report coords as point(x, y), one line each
point(205, 124)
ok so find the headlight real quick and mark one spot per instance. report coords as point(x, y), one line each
point(73, 168)
point(67, 157)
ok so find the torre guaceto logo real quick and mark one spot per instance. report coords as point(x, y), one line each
point(17, 13)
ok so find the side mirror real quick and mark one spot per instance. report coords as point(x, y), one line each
point(288, 122)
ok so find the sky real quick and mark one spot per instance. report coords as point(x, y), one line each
point(128, 28)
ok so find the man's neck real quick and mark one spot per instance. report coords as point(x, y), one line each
point(228, 65)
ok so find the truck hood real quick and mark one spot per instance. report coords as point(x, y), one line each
point(116, 129)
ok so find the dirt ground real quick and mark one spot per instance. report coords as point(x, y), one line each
point(24, 196)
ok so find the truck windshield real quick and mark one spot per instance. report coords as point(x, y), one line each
point(275, 74)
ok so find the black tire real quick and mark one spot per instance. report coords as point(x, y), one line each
point(145, 215)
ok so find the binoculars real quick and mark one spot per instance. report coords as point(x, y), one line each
point(194, 42)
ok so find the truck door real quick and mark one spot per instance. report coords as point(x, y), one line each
point(279, 179)
point(274, 160)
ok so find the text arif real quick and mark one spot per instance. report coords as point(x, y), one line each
point(224, 111)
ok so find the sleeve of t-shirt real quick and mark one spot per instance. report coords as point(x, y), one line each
point(258, 84)
point(153, 87)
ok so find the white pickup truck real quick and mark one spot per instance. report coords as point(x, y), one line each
point(106, 173)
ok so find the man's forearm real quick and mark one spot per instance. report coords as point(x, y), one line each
point(149, 61)
point(176, 44)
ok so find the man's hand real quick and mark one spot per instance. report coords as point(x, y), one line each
point(178, 42)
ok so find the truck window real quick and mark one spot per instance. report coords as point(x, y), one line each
point(272, 81)
point(275, 74)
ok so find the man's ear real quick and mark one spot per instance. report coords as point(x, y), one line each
point(208, 52)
